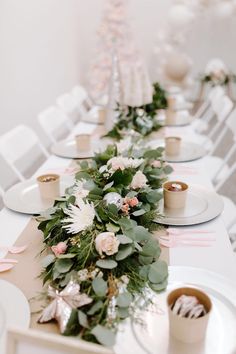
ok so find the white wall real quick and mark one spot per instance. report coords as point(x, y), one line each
point(46, 46)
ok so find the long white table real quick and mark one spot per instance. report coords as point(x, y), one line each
point(218, 258)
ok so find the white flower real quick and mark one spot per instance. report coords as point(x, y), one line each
point(124, 279)
point(80, 216)
point(121, 163)
point(83, 274)
point(139, 180)
point(79, 191)
point(107, 243)
point(216, 66)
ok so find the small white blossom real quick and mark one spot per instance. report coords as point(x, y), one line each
point(83, 274)
point(125, 279)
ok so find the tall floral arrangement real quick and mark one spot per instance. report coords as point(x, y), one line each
point(141, 120)
point(115, 37)
point(101, 253)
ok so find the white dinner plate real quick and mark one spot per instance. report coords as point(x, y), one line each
point(68, 148)
point(24, 197)
point(14, 310)
point(221, 331)
point(201, 205)
point(188, 152)
point(153, 337)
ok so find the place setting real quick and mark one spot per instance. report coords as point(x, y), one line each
point(185, 204)
point(178, 150)
point(36, 195)
point(189, 315)
point(82, 146)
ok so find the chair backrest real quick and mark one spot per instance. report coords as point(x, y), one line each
point(69, 104)
point(55, 123)
point(230, 124)
point(222, 109)
point(205, 110)
point(22, 150)
point(85, 103)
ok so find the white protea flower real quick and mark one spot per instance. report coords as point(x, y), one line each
point(119, 162)
point(80, 216)
point(79, 191)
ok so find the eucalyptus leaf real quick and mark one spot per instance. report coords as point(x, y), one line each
point(154, 196)
point(145, 259)
point(167, 169)
point(95, 308)
point(158, 272)
point(124, 252)
point(124, 239)
point(112, 227)
point(99, 286)
point(67, 255)
point(123, 312)
point(104, 335)
point(124, 299)
point(106, 263)
point(49, 259)
point(160, 286)
point(141, 234)
point(83, 320)
point(63, 265)
point(151, 249)
point(143, 272)
point(139, 212)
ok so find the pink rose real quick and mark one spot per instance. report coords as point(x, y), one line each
point(139, 180)
point(156, 164)
point(133, 202)
point(60, 248)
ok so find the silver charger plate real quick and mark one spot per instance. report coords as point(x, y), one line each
point(201, 205)
point(188, 152)
point(24, 197)
point(220, 337)
point(183, 118)
point(68, 148)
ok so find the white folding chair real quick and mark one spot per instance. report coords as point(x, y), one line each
point(55, 123)
point(205, 112)
point(69, 104)
point(229, 213)
point(88, 110)
point(216, 166)
point(22, 150)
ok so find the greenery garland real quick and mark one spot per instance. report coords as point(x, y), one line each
point(99, 242)
point(140, 119)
